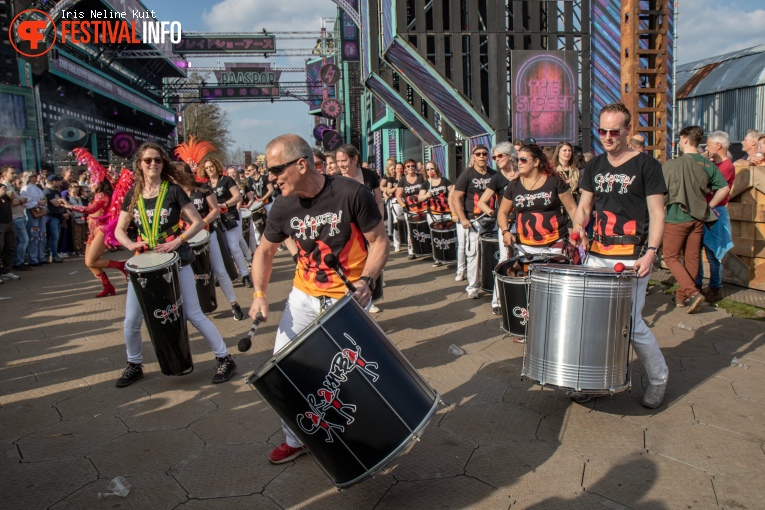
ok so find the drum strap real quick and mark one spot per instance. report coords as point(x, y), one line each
point(609, 240)
point(150, 232)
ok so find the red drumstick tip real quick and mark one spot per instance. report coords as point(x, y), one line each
point(618, 267)
point(575, 236)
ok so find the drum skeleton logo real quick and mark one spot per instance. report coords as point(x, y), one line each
point(609, 180)
point(420, 236)
point(521, 313)
point(327, 398)
point(443, 244)
point(205, 278)
point(171, 314)
point(331, 219)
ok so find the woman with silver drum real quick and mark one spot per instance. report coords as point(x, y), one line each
point(154, 208)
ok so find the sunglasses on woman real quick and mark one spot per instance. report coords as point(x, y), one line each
point(523, 160)
point(147, 161)
point(499, 156)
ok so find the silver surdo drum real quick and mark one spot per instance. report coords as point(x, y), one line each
point(580, 328)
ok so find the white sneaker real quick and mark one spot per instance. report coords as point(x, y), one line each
point(9, 276)
point(460, 276)
point(63, 255)
point(397, 249)
point(472, 294)
point(374, 309)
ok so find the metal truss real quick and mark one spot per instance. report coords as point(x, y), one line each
point(214, 69)
point(292, 52)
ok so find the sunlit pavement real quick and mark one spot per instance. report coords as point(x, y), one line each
point(499, 442)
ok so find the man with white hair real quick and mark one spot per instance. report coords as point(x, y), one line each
point(717, 240)
point(749, 145)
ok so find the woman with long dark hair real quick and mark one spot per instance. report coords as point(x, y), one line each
point(158, 190)
point(95, 246)
point(563, 162)
point(407, 193)
point(207, 206)
point(229, 198)
point(537, 195)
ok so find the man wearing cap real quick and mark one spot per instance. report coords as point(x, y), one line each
point(55, 215)
point(467, 192)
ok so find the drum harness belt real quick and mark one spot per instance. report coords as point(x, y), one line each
point(150, 231)
point(609, 240)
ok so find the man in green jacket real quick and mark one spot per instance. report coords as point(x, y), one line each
point(688, 178)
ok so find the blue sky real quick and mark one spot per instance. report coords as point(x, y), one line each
point(706, 28)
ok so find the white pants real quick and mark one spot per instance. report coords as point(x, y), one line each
point(645, 344)
point(245, 248)
point(396, 210)
point(233, 236)
point(461, 258)
point(472, 256)
point(219, 268)
point(191, 309)
point(301, 310)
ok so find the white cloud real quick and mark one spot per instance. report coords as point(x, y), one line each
point(254, 15)
point(707, 28)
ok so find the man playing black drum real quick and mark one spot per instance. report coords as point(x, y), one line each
point(627, 189)
point(323, 214)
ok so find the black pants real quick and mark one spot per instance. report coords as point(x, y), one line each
point(7, 246)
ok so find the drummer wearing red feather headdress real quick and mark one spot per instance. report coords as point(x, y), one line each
point(324, 215)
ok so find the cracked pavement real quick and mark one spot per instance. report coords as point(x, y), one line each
point(498, 441)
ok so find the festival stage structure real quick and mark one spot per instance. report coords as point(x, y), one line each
point(457, 73)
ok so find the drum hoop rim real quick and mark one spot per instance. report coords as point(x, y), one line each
point(205, 239)
point(550, 268)
point(132, 269)
point(297, 341)
point(513, 280)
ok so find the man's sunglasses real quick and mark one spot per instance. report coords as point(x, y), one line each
point(410, 166)
point(613, 132)
point(481, 154)
point(148, 161)
point(279, 169)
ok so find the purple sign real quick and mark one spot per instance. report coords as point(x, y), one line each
point(331, 140)
point(239, 73)
point(225, 44)
point(349, 35)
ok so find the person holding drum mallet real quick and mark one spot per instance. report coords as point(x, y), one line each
point(627, 189)
point(468, 189)
point(324, 215)
point(154, 207)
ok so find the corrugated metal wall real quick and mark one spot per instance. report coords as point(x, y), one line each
point(734, 111)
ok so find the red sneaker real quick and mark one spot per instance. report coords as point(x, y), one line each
point(285, 453)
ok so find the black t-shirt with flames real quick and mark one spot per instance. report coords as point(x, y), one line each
point(498, 184)
point(411, 192)
point(334, 221)
point(473, 184)
point(540, 220)
point(620, 199)
point(222, 190)
point(170, 217)
point(439, 204)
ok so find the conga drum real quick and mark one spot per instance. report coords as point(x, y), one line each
point(513, 298)
point(444, 241)
point(488, 243)
point(580, 328)
point(420, 231)
point(400, 225)
point(246, 216)
point(258, 219)
point(347, 393)
point(155, 278)
point(203, 273)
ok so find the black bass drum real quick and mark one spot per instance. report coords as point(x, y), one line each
point(203, 273)
point(347, 393)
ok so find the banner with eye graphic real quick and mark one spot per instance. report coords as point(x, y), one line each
point(70, 133)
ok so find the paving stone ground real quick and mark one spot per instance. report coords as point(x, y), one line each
point(498, 442)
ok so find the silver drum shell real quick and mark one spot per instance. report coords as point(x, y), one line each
point(580, 327)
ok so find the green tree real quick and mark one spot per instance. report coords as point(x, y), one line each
point(205, 121)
